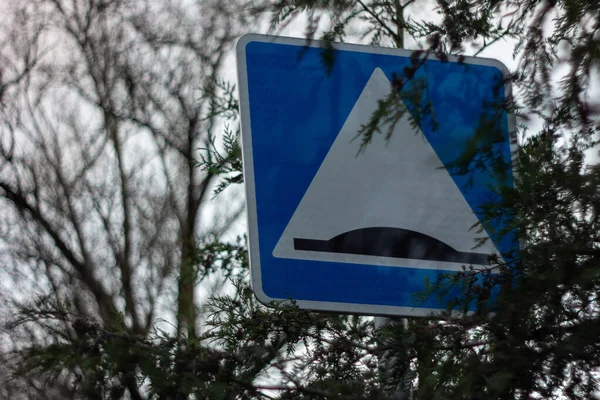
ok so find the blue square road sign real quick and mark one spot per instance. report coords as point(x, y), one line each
point(340, 227)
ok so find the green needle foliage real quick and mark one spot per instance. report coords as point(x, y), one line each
point(535, 329)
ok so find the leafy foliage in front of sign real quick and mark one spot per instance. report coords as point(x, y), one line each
point(526, 327)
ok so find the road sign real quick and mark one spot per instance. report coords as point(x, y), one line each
point(341, 227)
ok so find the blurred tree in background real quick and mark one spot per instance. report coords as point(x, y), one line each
point(106, 107)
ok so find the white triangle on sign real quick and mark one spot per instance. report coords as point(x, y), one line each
point(392, 204)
